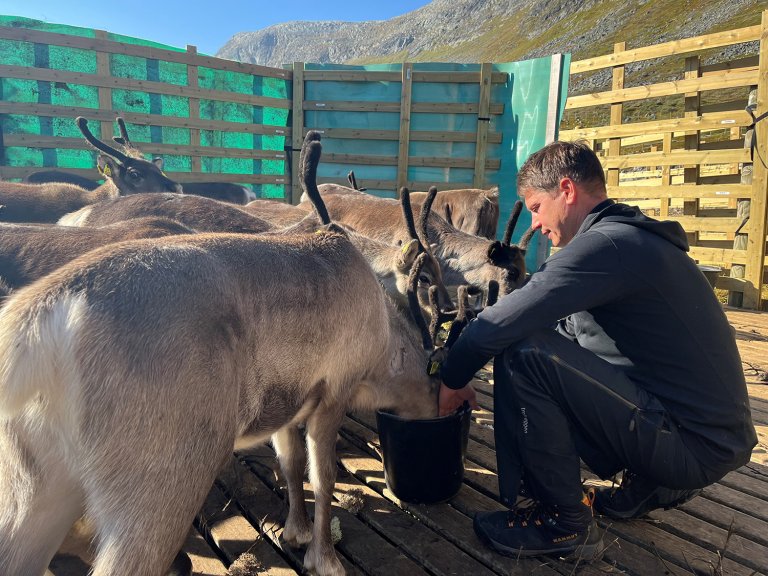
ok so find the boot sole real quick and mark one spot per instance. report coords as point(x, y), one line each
point(580, 552)
point(630, 514)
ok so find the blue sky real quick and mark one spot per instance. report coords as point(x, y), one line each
point(207, 25)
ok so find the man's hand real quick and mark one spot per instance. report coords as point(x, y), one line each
point(451, 400)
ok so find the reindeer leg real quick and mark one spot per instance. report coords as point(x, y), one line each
point(39, 500)
point(289, 446)
point(322, 428)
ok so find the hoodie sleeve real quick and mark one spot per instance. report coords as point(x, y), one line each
point(584, 274)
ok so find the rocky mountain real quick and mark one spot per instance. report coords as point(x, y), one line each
point(493, 30)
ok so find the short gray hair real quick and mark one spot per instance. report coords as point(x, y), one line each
point(575, 160)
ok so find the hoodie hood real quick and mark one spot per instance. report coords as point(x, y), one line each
point(610, 211)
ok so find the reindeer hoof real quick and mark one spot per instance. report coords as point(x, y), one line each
point(323, 563)
point(297, 533)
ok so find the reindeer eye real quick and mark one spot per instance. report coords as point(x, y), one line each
point(134, 175)
point(424, 279)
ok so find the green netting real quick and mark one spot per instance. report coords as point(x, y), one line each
point(74, 60)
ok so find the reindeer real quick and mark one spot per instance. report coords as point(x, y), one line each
point(44, 176)
point(222, 191)
point(29, 252)
point(464, 258)
point(391, 264)
point(49, 202)
point(201, 214)
point(278, 213)
point(471, 210)
point(127, 375)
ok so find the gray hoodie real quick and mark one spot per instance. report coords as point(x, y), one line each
point(625, 289)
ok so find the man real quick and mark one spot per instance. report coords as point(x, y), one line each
point(642, 373)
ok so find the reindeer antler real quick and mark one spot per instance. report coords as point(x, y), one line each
point(525, 239)
point(493, 293)
point(413, 301)
point(82, 123)
point(405, 204)
point(311, 151)
point(424, 215)
point(514, 215)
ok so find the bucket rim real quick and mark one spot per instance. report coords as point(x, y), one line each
point(459, 413)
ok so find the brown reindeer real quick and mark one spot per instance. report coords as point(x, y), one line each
point(49, 202)
point(127, 375)
point(471, 210)
point(29, 252)
point(464, 258)
point(276, 212)
point(201, 214)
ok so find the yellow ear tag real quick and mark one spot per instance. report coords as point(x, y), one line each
point(434, 368)
point(107, 171)
point(447, 325)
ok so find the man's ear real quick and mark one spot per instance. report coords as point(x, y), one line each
point(107, 166)
point(570, 189)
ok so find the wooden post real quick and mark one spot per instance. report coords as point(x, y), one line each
point(483, 123)
point(614, 144)
point(297, 130)
point(666, 176)
point(194, 110)
point(405, 125)
point(692, 110)
point(105, 94)
point(759, 209)
point(742, 211)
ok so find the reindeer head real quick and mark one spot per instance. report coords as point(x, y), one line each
point(130, 175)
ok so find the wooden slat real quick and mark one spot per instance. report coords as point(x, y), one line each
point(713, 121)
point(421, 107)
point(438, 161)
point(420, 135)
point(688, 157)
point(297, 130)
point(47, 75)
point(35, 141)
point(699, 224)
point(33, 109)
point(406, 102)
point(112, 47)
point(672, 48)
point(713, 82)
point(194, 110)
point(759, 208)
point(614, 144)
point(750, 62)
point(383, 76)
point(718, 254)
point(483, 123)
point(105, 93)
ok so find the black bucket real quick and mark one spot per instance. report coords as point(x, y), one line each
point(711, 273)
point(424, 459)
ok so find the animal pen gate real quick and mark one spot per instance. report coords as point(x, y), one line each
point(415, 125)
point(698, 159)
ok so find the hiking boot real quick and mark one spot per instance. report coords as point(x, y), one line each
point(542, 530)
point(636, 496)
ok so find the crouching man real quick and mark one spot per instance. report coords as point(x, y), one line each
point(642, 373)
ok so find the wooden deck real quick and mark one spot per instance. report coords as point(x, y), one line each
point(722, 532)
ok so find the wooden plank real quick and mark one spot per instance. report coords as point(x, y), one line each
point(748, 62)
point(682, 191)
point(35, 141)
point(406, 94)
point(687, 157)
point(666, 178)
point(691, 173)
point(48, 75)
point(718, 254)
point(382, 76)
point(113, 47)
point(366, 160)
point(297, 130)
point(420, 135)
point(759, 208)
point(105, 93)
point(483, 123)
point(34, 109)
point(710, 121)
point(421, 107)
point(614, 144)
point(194, 109)
point(672, 48)
point(205, 562)
point(713, 82)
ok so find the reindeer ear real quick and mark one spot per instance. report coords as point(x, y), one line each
point(408, 254)
point(107, 166)
point(158, 162)
point(119, 140)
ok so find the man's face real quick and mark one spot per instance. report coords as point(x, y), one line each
point(552, 215)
